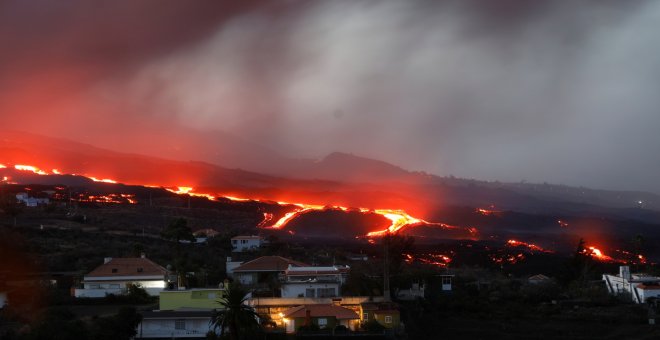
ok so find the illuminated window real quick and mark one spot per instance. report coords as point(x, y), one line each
point(388, 319)
point(322, 322)
point(365, 316)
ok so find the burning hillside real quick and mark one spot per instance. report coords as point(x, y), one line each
point(399, 219)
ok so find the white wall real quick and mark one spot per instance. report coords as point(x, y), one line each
point(244, 278)
point(291, 290)
point(101, 289)
point(245, 244)
point(165, 328)
point(97, 293)
point(231, 265)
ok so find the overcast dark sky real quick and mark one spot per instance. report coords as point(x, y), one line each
point(560, 91)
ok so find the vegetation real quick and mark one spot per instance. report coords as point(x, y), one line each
point(234, 317)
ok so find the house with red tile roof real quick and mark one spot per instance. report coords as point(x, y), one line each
point(639, 286)
point(263, 269)
point(385, 313)
point(325, 316)
point(115, 275)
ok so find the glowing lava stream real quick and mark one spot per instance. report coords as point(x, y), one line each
point(399, 218)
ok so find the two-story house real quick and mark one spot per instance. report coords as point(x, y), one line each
point(115, 275)
point(313, 281)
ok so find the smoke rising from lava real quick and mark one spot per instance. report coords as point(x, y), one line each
point(556, 91)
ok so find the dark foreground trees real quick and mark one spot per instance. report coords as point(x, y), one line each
point(235, 317)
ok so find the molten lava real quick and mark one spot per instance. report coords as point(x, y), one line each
point(30, 168)
point(530, 246)
point(104, 180)
point(399, 219)
point(598, 254)
point(489, 212)
point(434, 259)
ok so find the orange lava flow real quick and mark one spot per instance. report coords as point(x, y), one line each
point(434, 259)
point(488, 212)
point(30, 168)
point(598, 254)
point(104, 180)
point(530, 246)
point(399, 219)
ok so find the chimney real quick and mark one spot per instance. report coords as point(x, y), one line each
point(107, 259)
point(143, 255)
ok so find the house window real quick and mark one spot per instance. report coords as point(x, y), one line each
point(179, 324)
point(322, 322)
point(327, 292)
point(243, 241)
point(388, 319)
point(114, 285)
point(446, 280)
point(234, 241)
point(365, 316)
point(309, 292)
point(114, 270)
point(140, 270)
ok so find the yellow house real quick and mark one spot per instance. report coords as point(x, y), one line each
point(386, 314)
point(198, 298)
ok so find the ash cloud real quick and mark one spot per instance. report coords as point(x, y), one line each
point(556, 91)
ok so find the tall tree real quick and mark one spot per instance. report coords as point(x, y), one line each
point(235, 316)
point(178, 230)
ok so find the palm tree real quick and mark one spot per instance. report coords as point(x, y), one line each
point(234, 315)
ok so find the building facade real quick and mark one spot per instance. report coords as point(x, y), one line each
point(639, 287)
point(313, 282)
point(197, 298)
point(115, 276)
point(246, 243)
point(174, 325)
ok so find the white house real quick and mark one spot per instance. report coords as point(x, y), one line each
point(230, 265)
point(641, 287)
point(116, 274)
point(245, 243)
point(313, 281)
point(415, 292)
point(24, 198)
point(174, 324)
